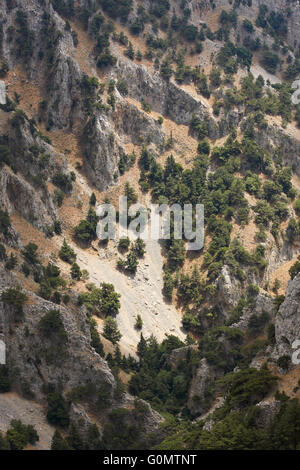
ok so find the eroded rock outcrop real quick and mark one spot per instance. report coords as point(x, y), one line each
point(201, 389)
point(65, 100)
point(287, 323)
point(287, 145)
point(164, 97)
point(34, 162)
point(263, 304)
point(105, 136)
point(17, 195)
point(267, 409)
point(64, 359)
point(101, 151)
point(38, 360)
point(2, 92)
point(229, 289)
point(140, 127)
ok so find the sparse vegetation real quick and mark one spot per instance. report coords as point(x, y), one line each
point(217, 134)
point(111, 331)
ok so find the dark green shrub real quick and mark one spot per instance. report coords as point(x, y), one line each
point(76, 272)
point(63, 181)
point(95, 338)
point(270, 61)
point(247, 387)
point(5, 223)
point(51, 326)
point(30, 253)
point(284, 362)
point(15, 298)
point(58, 412)
point(111, 331)
point(66, 253)
point(85, 231)
point(124, 243)
point(4, 379)
point(58, 442)
point(19, 435)
point(138, 323)
point(138, 248)
point(295, 269)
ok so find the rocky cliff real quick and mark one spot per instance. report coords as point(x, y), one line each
point(170, 102)
point(287, 321)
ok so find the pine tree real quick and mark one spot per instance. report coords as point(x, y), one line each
point(111, 331)
point(139, 247)
point(131, 195)
point(74, 440)
point(284, 431)
point(66, 253)
point(142, 347)
point(130, 52)
point(93, 199)
point(58, 442)
point(93, 438)
point(138, 323)
point(76, 272)
point(117, 355)
point(132, 262)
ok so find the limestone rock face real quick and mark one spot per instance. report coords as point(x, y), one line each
point(287, 323)
point(2, 92)
point(36, 21)
point(34, 358)
point(164, 97)
point(200, 393)
point(204, 377)
point(64, 104)
point(294, 24)
point(150, 418)
point(26, 146)
point(105, 136)
point(267, 411)
point(180, 354)
point(263, 304)
point(102, 152)
point(129, 121)
point(107, 131)
point(198, 11)
point(36, 361)
point(24, 190)
point(65, 96)
point(288, 144)
point(81, 419)
point(139, 415)
point(17, 195)
point(229, 289)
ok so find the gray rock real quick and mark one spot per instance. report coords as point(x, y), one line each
point(275, 138)
point(263, 304)
point(228, 290)
point(267, 411)
point(81, 419)
point(180, 354)
point(164, 97)
point(2, 92)
point(17, 195)
point(287, 324)
point(200, 390)
point(33, 362)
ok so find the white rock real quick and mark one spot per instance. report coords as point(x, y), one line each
point(2, 92)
